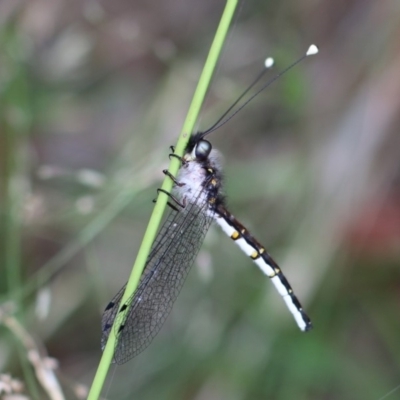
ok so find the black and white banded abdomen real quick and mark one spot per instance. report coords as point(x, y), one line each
point(250, 246)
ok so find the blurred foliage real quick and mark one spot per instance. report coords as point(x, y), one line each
point(93, 93)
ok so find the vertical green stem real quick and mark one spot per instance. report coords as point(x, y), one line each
point(15, 124)
point(159, 208)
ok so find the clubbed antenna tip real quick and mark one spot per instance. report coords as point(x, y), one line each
point(313, 49)
point(269, 62)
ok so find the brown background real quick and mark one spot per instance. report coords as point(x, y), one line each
point(93, 93)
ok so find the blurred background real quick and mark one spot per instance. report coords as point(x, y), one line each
point(93, 93)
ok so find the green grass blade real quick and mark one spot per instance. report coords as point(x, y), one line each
point(159, 208)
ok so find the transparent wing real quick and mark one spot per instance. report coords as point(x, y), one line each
point(172, 255)
point(159, 245)
point(113, 306)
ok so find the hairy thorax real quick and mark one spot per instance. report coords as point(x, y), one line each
point(193, 175)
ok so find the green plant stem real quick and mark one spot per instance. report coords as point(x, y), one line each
point(159, 208)
point(15, 124)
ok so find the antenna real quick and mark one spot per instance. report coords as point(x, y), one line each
point(269, 62)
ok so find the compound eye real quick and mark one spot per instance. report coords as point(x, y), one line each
point(203, 149)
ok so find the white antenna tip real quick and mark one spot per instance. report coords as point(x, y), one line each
point(313, 49)
point(269, 62)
